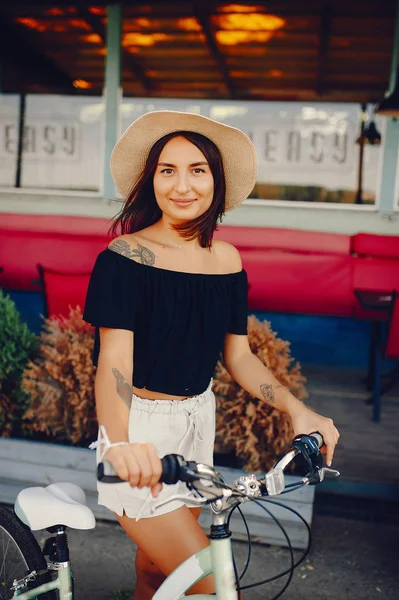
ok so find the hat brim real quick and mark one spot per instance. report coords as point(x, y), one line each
point(238, 153)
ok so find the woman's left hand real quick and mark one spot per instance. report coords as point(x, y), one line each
point(307, 421)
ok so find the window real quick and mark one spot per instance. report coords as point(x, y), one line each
point(307, 152)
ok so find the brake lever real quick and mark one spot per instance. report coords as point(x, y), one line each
point(319, 475)
point(328, 471)
point(204, 488)
point(206, 493)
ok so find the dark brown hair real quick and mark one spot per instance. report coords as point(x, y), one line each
point(141, 209)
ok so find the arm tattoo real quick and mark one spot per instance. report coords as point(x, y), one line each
point(123, 389)
point(139, 254)
point(267, 392)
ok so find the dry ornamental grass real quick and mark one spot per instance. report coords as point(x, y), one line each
point(252, 429)
point(61, 382)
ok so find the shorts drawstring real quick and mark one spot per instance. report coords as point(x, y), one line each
point(103, 444)
point(192, 429)
point(192, 426)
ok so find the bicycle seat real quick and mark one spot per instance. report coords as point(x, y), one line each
point(56, 504)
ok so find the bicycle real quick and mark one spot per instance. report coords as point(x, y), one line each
point(26, 573)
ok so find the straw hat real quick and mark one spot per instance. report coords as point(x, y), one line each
point(238, 152)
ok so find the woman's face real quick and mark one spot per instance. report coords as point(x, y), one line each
point(183, 181)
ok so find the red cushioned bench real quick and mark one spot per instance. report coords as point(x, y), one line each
point(288, 270)
point(375, 266)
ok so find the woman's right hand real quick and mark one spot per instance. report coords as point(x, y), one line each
point(139, 464)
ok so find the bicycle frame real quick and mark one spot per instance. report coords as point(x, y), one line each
point(217, 559)
point(63, 583)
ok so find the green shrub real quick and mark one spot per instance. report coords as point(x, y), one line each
point(18, 346)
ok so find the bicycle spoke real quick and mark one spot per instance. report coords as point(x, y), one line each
point(13, 564)
point(3, 568)
point(12, 551)
point(12, 575)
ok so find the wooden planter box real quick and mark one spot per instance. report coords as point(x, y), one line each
point(26, 463)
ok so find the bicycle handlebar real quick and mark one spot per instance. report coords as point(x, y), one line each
point(175, 468)
point(172, 471)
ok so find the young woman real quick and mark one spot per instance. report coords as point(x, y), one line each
point(166, 299)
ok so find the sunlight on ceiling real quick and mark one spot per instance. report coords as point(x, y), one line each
point(238, 8)
point(92, 38)
point(82, 84)
point(245, 28)
point(232, 38)
point(143, 39)
point(249, 22)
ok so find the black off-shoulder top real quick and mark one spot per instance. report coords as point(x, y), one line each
point(179, 319)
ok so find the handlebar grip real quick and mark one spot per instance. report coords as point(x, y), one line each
point(170, 470)
point(319, 438)
point(107, 474)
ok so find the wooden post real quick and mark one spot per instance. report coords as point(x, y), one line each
point(20, 149)
point(112, 94)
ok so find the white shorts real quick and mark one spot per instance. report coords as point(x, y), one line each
point(185, 427)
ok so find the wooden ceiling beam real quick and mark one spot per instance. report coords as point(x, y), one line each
point(16, 49)
point(387, 7)
point(203, 19)
point(325, 31)
point(98, 27)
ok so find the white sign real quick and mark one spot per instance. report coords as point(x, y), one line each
point(44, 140)
point(286, 146)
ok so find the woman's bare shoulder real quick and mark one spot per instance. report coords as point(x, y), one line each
point(228, 255)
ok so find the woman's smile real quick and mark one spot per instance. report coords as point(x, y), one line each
point(183, 203)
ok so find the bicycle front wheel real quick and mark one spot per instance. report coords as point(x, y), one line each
point(20, 554)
